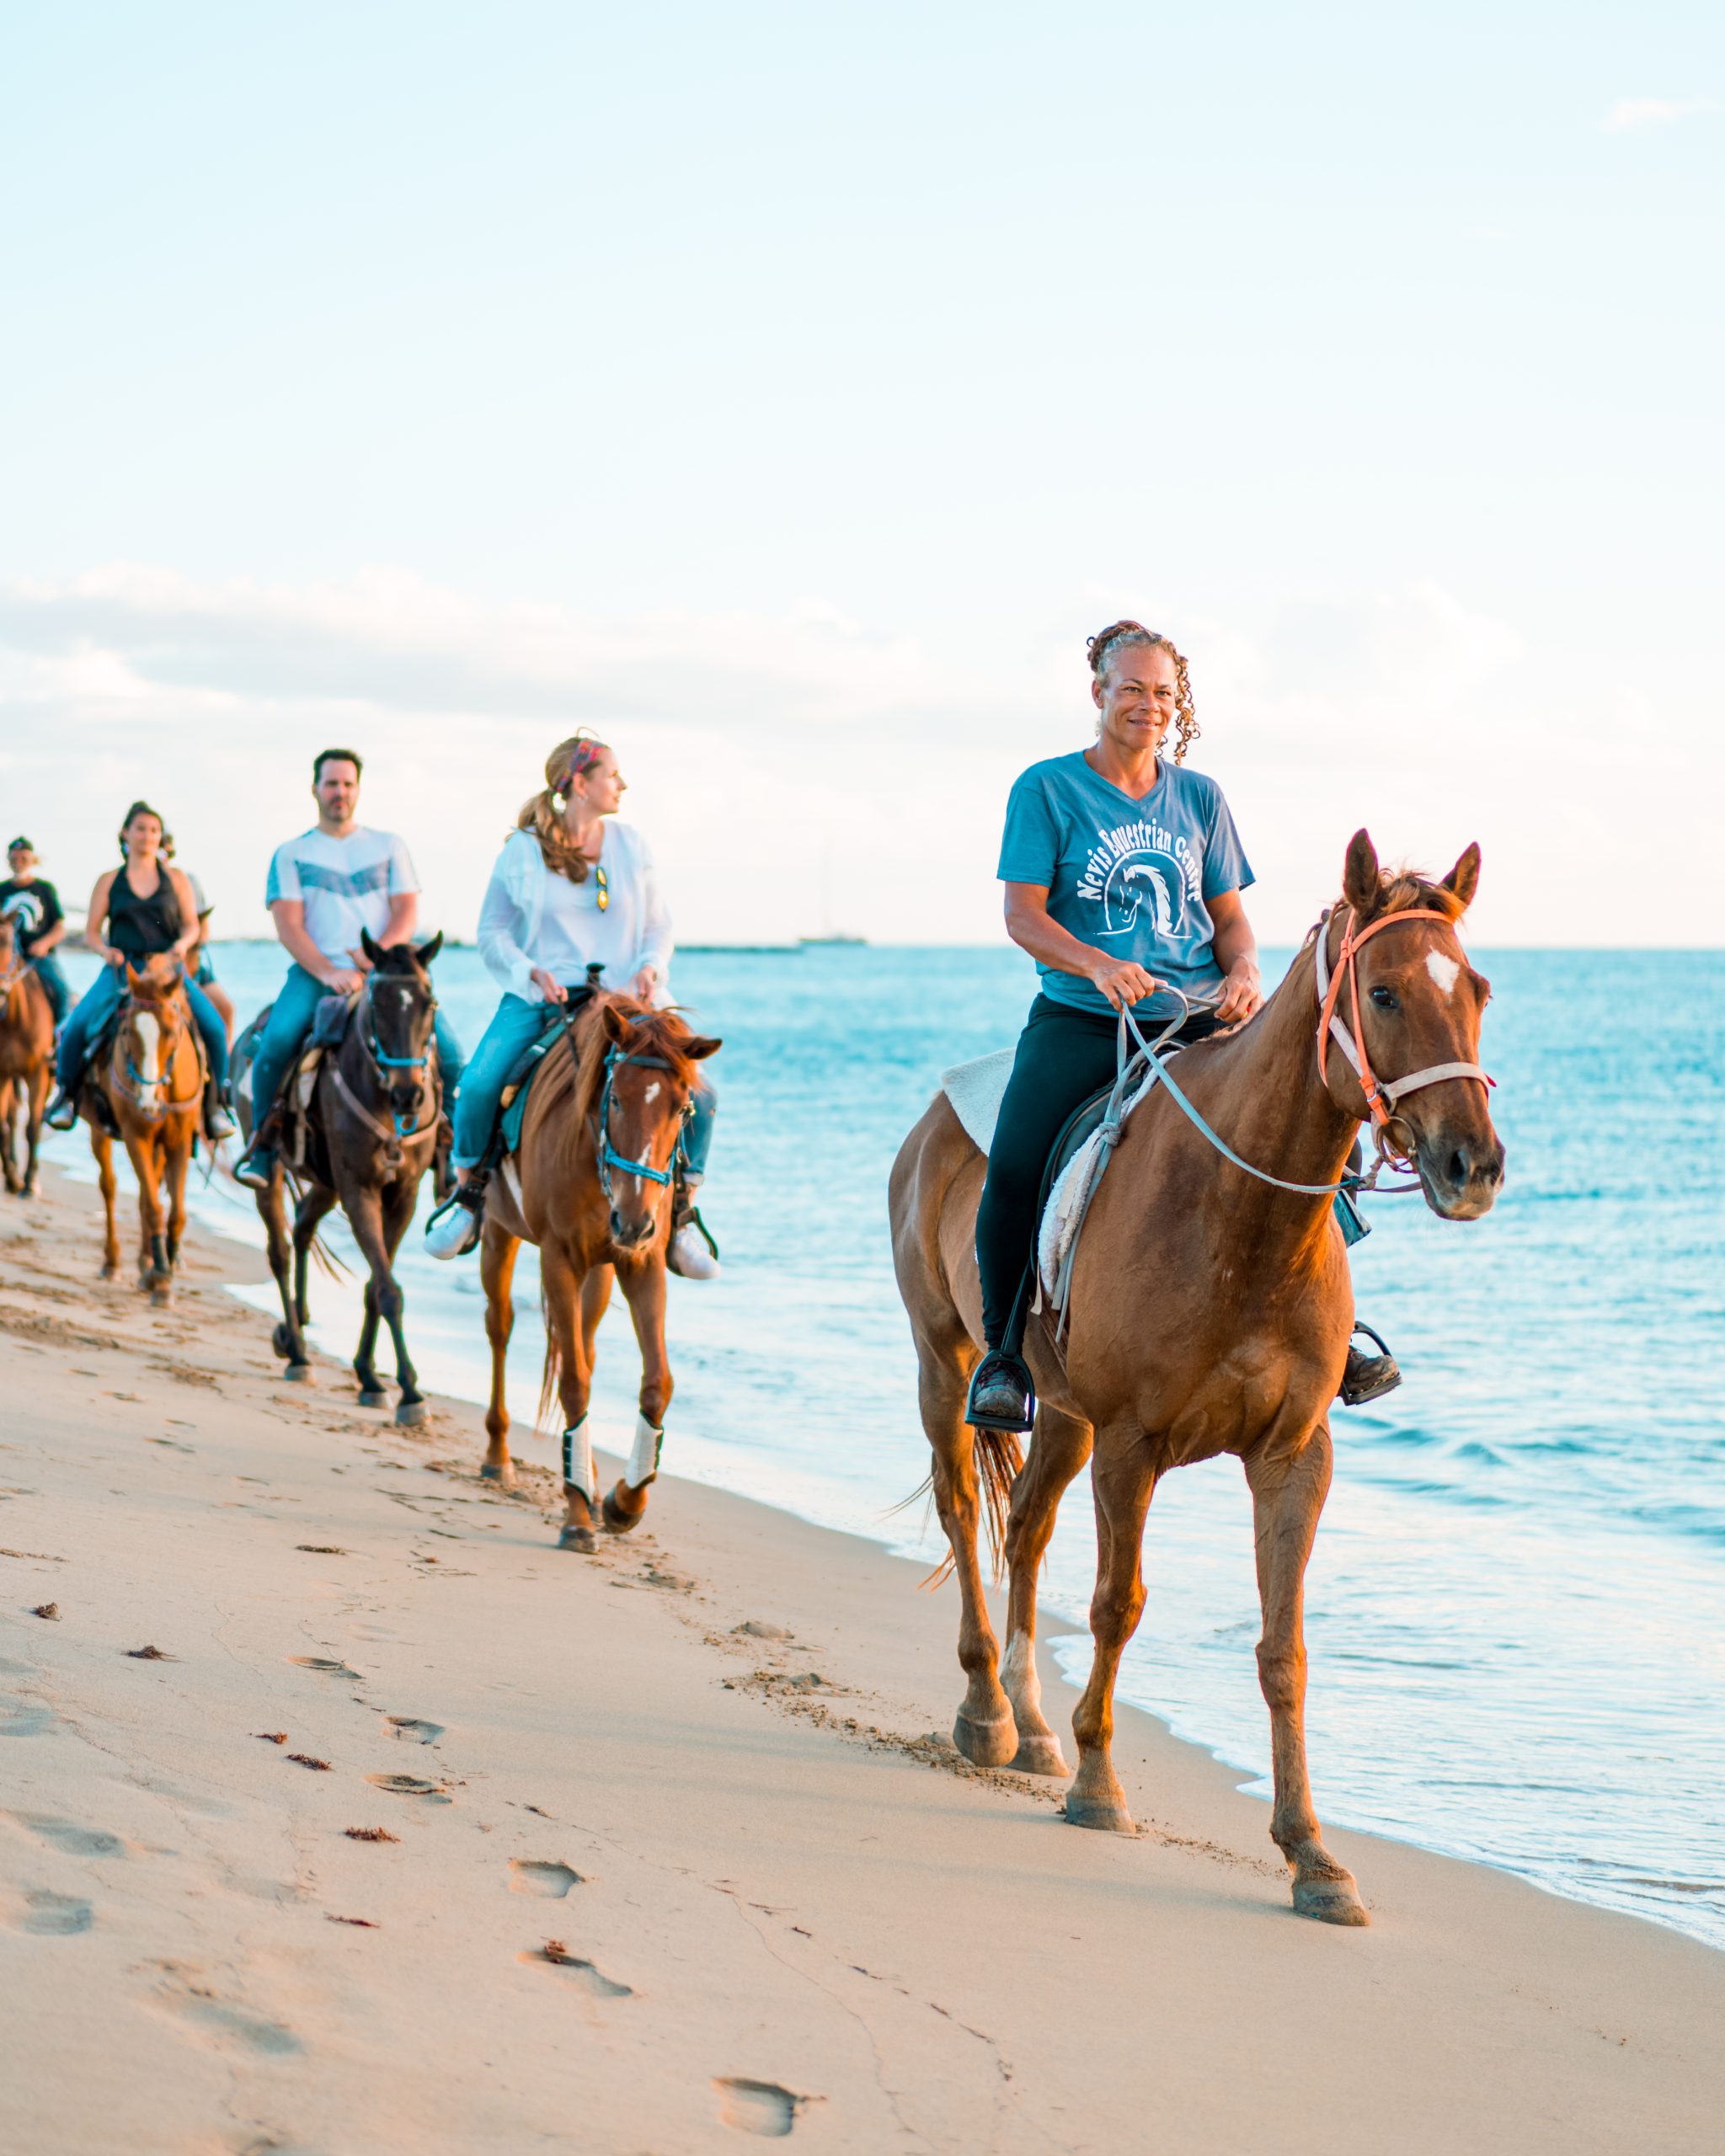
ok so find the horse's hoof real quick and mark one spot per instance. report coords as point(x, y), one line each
point(300, 1373)
point(987, 1743)
point(1040, 1755)
point(410, 1413)
point(502, 1472)
point(161, 1299)
point(374, 1400)
point(111, 1272)
point(1329, 1901)
point(617, 1519)
point(1103, 1814)
point(578, 1538)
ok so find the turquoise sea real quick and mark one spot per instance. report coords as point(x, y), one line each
point(1516, 1608)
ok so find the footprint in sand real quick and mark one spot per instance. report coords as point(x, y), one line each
point(227, 2026)
point(18, 1720)
point(412, 1731)
point(56, 1916)
point(581, 1972)
point(74, 1840)
point(410, 1785)
point(759, 2107)
point(530, 1875)
point(323, 1662)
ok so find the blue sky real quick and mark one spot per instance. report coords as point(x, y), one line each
point(787, 391)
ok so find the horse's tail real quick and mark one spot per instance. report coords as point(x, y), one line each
point(999, 1457)
point(549, 1383)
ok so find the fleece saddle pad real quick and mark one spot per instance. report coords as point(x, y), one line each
point(976, 1090)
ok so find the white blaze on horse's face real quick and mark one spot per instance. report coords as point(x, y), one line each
point(150, 1042)
point(653, 1093)
point(1444, 971)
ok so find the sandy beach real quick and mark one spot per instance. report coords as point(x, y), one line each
point(341, 1813)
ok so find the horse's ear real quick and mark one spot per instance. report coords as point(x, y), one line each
point(427, 952)
point(698, 1048)
point(134, 979)
point(373, 950)
point(617, 1027)
point(1463, 879)
point(1360, 878)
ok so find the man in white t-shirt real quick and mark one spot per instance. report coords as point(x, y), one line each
point(326, 889)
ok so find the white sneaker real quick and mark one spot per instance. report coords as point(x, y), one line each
point(692, 1254)
point(453, 1229)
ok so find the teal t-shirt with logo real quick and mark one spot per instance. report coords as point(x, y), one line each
point(1130, 877)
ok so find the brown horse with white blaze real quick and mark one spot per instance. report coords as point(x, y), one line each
point(592, 1185)
point(26, 1061)
point(153, 1082)
point(1210, 1312)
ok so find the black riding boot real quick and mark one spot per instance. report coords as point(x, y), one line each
point(1003, 1397)
point(1369, 1377)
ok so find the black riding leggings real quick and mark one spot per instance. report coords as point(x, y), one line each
point(1064, 1055)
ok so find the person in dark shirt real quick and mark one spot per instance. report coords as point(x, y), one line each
point(40, 920)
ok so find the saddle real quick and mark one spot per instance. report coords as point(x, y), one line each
point(1074, 1171)
point(299, 1084)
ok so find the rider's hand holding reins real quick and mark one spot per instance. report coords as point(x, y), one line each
point(549, 986)
point(643, 985)
point(1123, 981)
point(1242, 992)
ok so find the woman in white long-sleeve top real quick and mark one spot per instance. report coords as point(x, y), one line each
point(572, 888)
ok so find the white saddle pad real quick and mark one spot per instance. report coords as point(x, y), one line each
point(976, 1090)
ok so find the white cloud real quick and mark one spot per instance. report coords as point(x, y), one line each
point(802, 770)
point(1653, 112)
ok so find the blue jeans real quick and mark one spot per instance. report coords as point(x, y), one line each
point(291, 1019)
point(516, 1025)
point(54, 987)
point(98, 1004)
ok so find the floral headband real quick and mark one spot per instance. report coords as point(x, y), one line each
point(586, 753)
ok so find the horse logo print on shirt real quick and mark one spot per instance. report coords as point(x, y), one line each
point(1139, 865)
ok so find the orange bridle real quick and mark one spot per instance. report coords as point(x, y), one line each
point(1353, 1045)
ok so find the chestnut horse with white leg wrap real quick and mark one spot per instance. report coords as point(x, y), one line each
point(152, 1081)
point(26, 1061)
point(1210, 1313)
point(591, 1184)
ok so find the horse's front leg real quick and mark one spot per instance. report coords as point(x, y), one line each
point(1124, 1481)
point(561, 1283)
point(290, 1337)
point(498, 1251)
point(153, 1226)
point(179, 1161)
point(9, 1093)
point(287, 1339)
point(36, 1098)
point(644, 1290)
point(1288, 1494)
point(1058, 1450)
point(367, 1217)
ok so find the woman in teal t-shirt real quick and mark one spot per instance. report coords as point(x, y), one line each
point(1124, 875)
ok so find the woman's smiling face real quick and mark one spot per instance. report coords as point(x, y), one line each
point(1137, 694)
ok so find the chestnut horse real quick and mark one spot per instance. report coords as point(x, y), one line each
point(369, 1134)
point(26, 1061)
point(1210, 1310)
point(592, 1185)
point(152, 1081)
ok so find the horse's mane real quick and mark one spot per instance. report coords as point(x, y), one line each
point(651, 1032)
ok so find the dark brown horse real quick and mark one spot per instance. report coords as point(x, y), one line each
point(26, 1061)
point(1210, 1314)
point(368, 1134)
point(150, 1087)
point(591, 1184)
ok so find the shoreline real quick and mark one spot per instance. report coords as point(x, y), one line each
point(778, 1871)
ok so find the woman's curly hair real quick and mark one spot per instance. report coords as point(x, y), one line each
point(1122, 635)
point(543, 814)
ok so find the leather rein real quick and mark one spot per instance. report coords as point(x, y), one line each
point(152, 1110)
point(399, 1130)
point(1330, 1026)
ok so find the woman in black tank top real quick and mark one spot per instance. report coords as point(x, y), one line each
point(139, 924)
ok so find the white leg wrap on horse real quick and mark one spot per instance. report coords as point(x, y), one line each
point(643, 1454)
point(578, 1469)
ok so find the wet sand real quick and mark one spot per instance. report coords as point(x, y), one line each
point(413, 1834)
